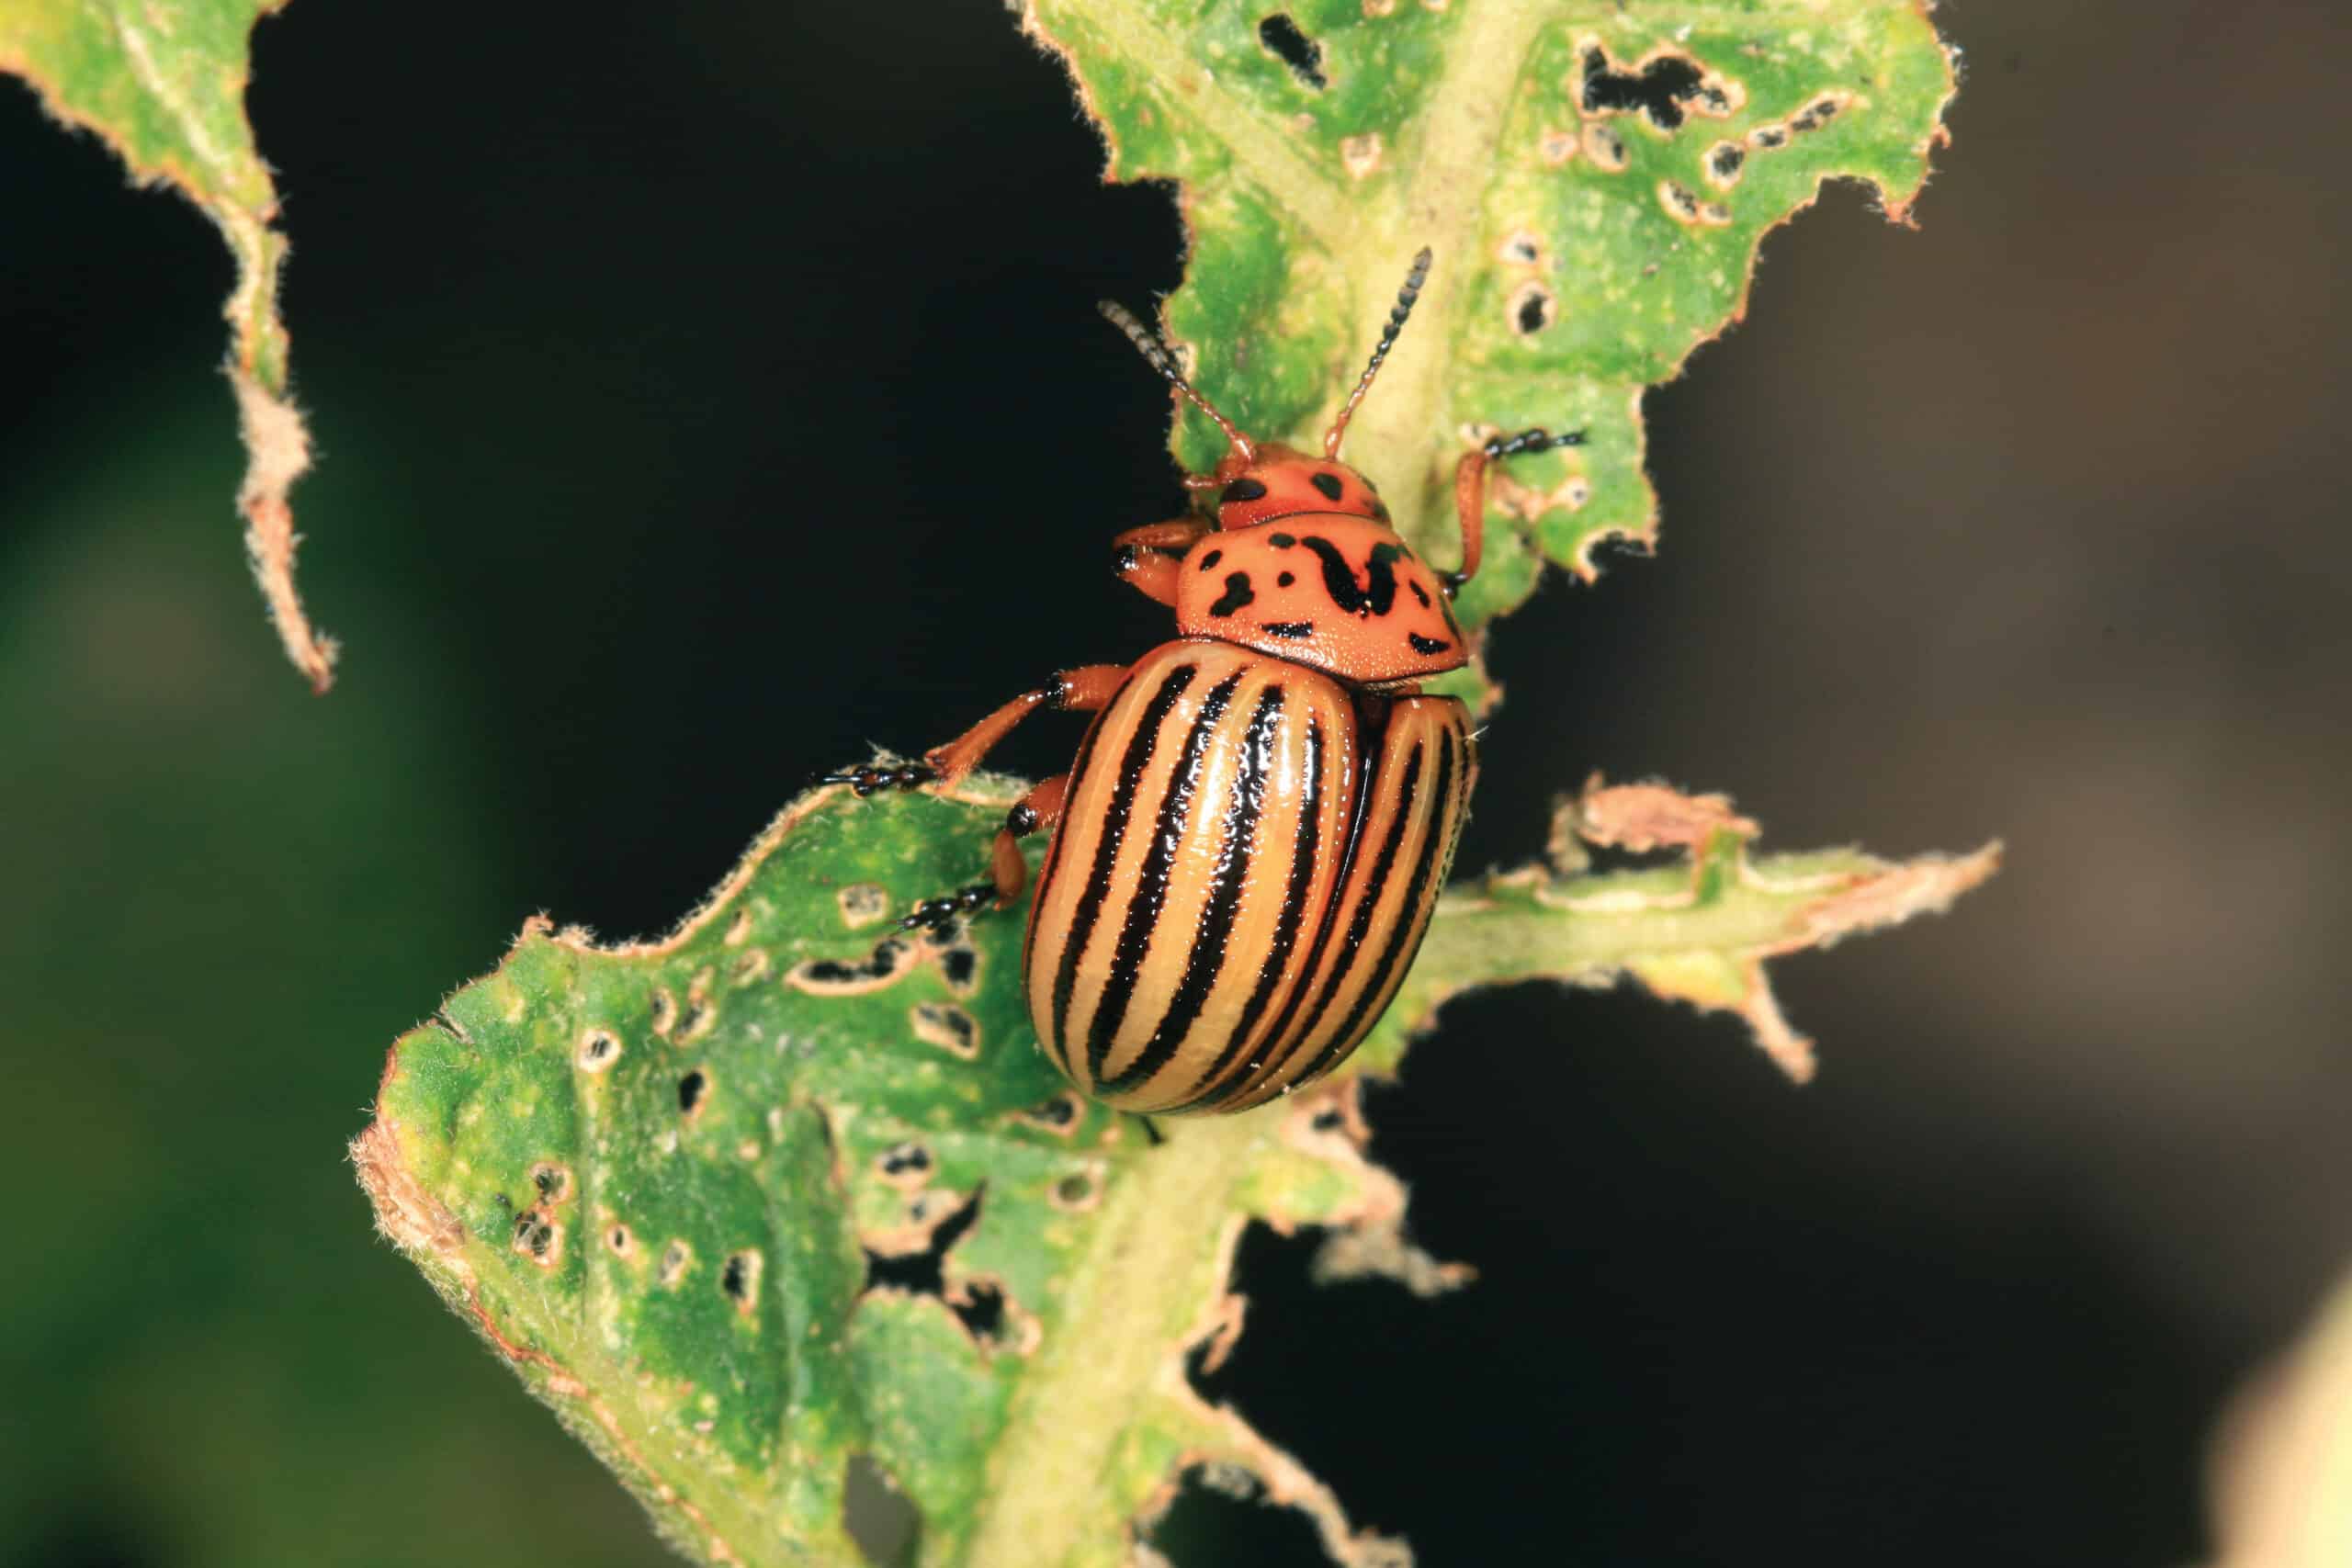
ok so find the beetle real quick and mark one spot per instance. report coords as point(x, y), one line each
point(1246, 850)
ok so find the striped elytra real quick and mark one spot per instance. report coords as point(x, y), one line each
point(1248, 850)
point(1248, 857)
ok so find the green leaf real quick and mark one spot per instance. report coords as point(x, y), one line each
point(785, 1215)
point(789, 1199)
point(162, 82)
point(1594, 178)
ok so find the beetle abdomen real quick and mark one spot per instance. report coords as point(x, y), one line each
point(1236, 887)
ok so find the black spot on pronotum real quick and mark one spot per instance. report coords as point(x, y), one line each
point(1427, 643)
point(1658, 89)
point(691, 1089)
point(1285, 579)
point(1329, 484)
point(1294, 48)
point(1243, 489)
point(1237, 594)
point(1291, 629)
point(1209, 560)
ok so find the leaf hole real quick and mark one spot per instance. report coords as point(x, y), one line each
point(950, 1027)
point(740, 1280)
point(904, 1165)
point(863, 903)
point(677, 1259)
point(1532, 309)
point(665, 1012)
point(738, 929)
point(1724, 163)
point(692, 1090)
point(1605, 147)
point(1294, 48)
point(619, 1239)
point(599, 1049)
point(1059, 1115)
point(552, 1181)
point(920, 1270)
point(539, 1238)
point(834, 977)
point(1661, 89)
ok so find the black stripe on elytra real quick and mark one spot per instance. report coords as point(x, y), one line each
point(1427, 643)
point(1204, 964)
point(1106, 850)
point(1211, 559)
point(1054, 847)
point(1243, 489)
point(1293, 629)
point(1282, 541)
point(1237, 594)
point(1304, 865)
point(1360, 923)
point(1420, 593)
point(1150, 891)
point(1405, 935)
point(1339, 578)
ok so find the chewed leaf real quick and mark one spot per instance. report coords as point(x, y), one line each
point(164, 85)
point(790, 1204)
point(792, 1197)
point(1594, 178)
point(1697, 930)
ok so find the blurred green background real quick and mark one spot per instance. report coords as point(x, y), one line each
point(684, 392)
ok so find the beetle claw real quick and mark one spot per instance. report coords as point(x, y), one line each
point(864, 782)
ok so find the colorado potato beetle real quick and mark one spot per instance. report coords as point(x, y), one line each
point(1248, 849)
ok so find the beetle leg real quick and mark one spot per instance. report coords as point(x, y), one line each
point(1470, 491)
point(1081, 690)
point(1175, 536)
point(1147, 557)
point(1008, 870)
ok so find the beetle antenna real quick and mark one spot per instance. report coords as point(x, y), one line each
point(1406, 297)
point(1156, 354)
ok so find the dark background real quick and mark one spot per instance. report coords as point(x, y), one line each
point(687, 397)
